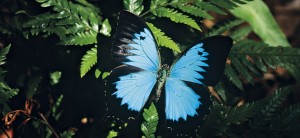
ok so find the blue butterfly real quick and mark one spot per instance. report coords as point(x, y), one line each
point(136, 51)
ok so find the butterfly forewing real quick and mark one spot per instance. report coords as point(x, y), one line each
point(134, 48)
point(201, 64)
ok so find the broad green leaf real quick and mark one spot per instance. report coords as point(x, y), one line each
point(88, 60)
point(134, 6)
point(175, 16)
point(54, 77)
point(258, 15)
point(162, 39)
point(106, 28)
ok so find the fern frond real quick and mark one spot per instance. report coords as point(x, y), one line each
point(150, 122)
point(225, 27)
point(162, 39)
point(105, 28)
point(82, 38)
point(134, 6)
point(262, 56)
point(88, 60)
point(209, 7)
point(271, 107)
point(241, 33)
point(175, 16)
point(233, 76)
point(193, 10)
point(226, 4)
point(236, 115)
point(250, 58)
point(286, 119)
point(67, 20)
point(3, 53)
point(244, 72)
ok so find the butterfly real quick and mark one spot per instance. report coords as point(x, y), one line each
point(135, 50)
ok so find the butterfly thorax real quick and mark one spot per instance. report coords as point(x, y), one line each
point(163, 73)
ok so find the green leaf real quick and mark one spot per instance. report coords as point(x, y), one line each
point(272, 106)
point(259, 56)
point(106, 28)
point(162, 39)
point(175, 16)
point(3, 53)
point(68, 134)
point(105, 74)
point(97, 73)
point(209, 7)
point(88, 60)
point(74, 23)
point(134, 6)
point(241, 33)
point(150, 122)
point(32, 86)
point(54, 77)
point(54, 111)
point(236, 115)
point(193, 10)
point(233, 76)
point(225, 27)
point(258, 15)
point(287, 118)
point(112, 134)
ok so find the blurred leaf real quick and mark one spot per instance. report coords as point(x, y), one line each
point(55, 77)
point(54, 111)
point(3, 53)
point(32, 86)
point(258, 15)
point(106, 28)
point(112, 134)
point(68, 134)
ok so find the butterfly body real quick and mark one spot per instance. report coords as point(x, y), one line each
point(135, 49)
point(163, 73)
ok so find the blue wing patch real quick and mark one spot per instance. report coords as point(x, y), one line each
point(145, 55)
point(138, 49)
point(187, 67)
point(135, 88)
point(181, 100)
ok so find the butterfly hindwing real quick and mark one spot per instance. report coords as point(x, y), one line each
point(203, 64)
point(135, 49)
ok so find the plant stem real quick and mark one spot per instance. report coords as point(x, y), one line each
point(47, 123)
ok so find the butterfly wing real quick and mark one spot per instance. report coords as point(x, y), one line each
point(201, 64)
point(135, 50)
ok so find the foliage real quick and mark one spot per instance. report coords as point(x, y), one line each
point(88, 60)
point(263, 24)
point(149, 125)
point(89, 24)
point(6, 91)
